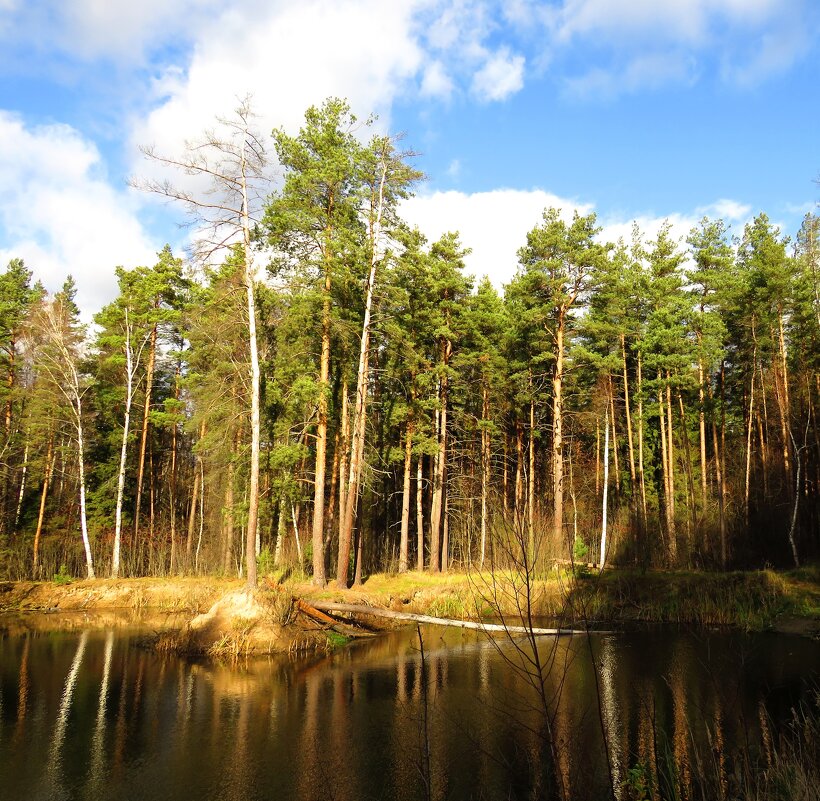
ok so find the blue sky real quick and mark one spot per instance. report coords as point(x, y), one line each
point(636, 109)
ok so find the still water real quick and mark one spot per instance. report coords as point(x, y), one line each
point(91, 715)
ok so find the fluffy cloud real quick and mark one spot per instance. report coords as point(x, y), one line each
point(119, 30)
point(692, 21)
point(495, 224)
point(59, 213)
point(501, 76)
point(287, 56)
point(639, 43)
point(436, 82)
point(651, 70)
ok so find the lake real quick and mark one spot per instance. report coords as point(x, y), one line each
point(92, 715)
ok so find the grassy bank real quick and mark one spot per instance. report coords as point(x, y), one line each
point(751, 600)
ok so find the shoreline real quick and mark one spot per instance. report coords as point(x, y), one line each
point(268, 620)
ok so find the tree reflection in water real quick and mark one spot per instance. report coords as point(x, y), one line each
point(124, 722)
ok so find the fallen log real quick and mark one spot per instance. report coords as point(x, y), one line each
point(316, 614)
point(360, 609)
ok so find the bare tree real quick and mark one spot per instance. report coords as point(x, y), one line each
point(60, 343)
point(232, 162)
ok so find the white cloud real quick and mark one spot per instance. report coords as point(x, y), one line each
point(501, 76)
point(726, 209)
point(59, 214)
point(635, 43)
point(436, 82)
point(287, 57)
point(651, 70)
point(494, 224)
point(691, 21)
point(119, 30)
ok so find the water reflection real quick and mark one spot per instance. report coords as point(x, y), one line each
point(448, 717)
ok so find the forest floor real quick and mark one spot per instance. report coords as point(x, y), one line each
point(217, 615)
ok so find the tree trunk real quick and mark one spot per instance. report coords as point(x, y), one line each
point(702, 430)
point(404, 543)
point(690, 480)
point(506, 476)
point(531, 481)
point(129, 392)
point(319, 577)
point(228, 522)
point(21, 494)
point(519, 470)
point(360, 413)
point(344, 447)
point(172, 482)
point(89, 562)
point(749, 439)
point(640, 442)
point(614, 439)
point(149, 384)
point(485, 467)
point(194, 495)
point(256, 380)
point(419, 514)
point(628, 410)
point(557, 437)
point(784, 366)
point(333, 500)
point(664, 464)
point(606, 489)
point(43, 497)
point(439, 467)
point(671, 456)
point(718, 456)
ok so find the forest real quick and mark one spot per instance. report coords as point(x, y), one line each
point(320, 387)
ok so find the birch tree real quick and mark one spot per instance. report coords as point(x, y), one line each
point(230, 161)
point(60, 348)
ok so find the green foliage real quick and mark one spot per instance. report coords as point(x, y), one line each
point(265, 565)
point(580, 550)
point(638, 784)
point(336, 640)
point(61, 577)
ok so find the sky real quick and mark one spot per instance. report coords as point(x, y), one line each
point(645, 110)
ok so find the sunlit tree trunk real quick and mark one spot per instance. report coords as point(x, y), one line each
point(485, 468)
point(746, 498)
point(670, 452)
point(345, 446)
point(439, 466)
point(531, 481)
point(360, 411)
point(126, 430)
point(89, 562)
point(690, 480)
point(602, 561)
point(557, 436)
point(194, 496)
point(419, 514)
point(149, 385)
point(640, 440)
point(519, 470)
point(628, 409)
point(405, 497)
point(43, 497)
point(702, 429)
point(319, 577)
